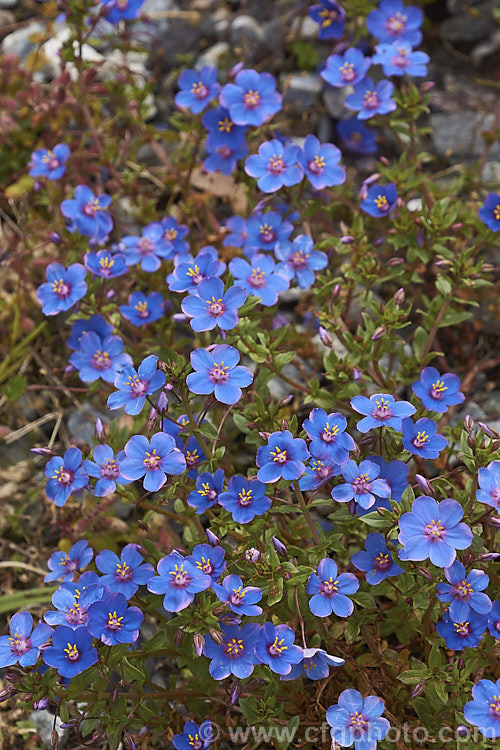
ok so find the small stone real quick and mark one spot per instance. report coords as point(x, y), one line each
point(334, 99)
point(459, 134)
point(6, 18)
point(469, 24)
point(484, 49)
point(45, 721)
point(245, 30)
point(213, 55)
point(301, 90)
point(305, 28)
point(18, 42)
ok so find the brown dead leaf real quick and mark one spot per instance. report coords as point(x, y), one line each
point(221, 185)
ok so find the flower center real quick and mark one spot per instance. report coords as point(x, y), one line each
point(225, 152)
point(257, 278)
point(267, 233)
point(382, 561)
point(298, 260)
point(123, 572)
point(114, 622)
point(76, 616)
point(361, 484)
point(122, 4)
point(170, 234)
point(328, 588)
point(401, 59)
point(276, 648)
point(245, 498)
point(328, 17)
point(145, 246)
point(317, 165)
point(495, 706)
point(152, 460)
point(195, 742)
point(347, 72)
point(322, 471)
point(463, 591)
point(219, 373)
point(329, 433)
point(251, 99)
point(19, 645)
point(371, 100)
point(53, 163)
point(106, 264)
point(68, 564)
point(463, 629)
point(279, 456)
point(137, 386)
point(142, 310)
point(205, 566)
point(207, 491)
point(421, 439)
point(234, 647)
point(382, 203)
point(236, 598)
point(192, 458)
point(199, 90)
point(101, 360)
point(216, 307)
point(358, 724)
point(194, 274)
point(396, 24)
point(91, 208)
point(72, 652)
point(225, 125)
point(276, 164)
point(109, 469)
point(61, 288)
point(435, 530)
point(496, 212)
point(438, 389)
point(180, 579)
point(63, 476)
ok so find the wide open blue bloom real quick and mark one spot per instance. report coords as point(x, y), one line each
point(88, 214)
point(264, 230)
point(420, 438)
point(437, 392)
point(380, 200)
point(328, 436)
point(224, 157)
point(124, 574)
point(392, 21)
point(319, 161)
point(377, 561)
point(64, 564)
point(213, 307)
point(282, 457)
point(197, 88)
point(381, 410)
point(106, 468)
point(464, 592)
point(208, 559)
point(133, 387)
point(221, 129)
point(494, 620)
point(318, 471)
point(315, 664)
point(49, 163)
point(299, 260)
point(71, 651)
point(330, 591)
point(143, 308)
point(275, 165)
point(489, 213)
point(154, 459)
point(357, 720)
point(64, 287)
point(356, 136)
point(331, 18)
point(146, 250)
point(95, 323)
point(105, 264)
point(395, 474)
point(347, 69)
point(188, 274)
point(22, 646)
point(370, 99)
point(236, 655)
point(121, 10)
point(489, 483)
point(172, 241)
point(459, 635)
point(179, 579)
point(484, 711)
point(399, 59)
point(238, 232)
point(192, 450)
point(99, 358)
point(252, 98)
point(218, 372)
point(66, 475)
point(72, 609)
point(433, 530)
point(259, 278)
point(194, 737)
point(208, 488)
point(241, 599)
point(275, 647)
point(363, 484)
point(245, 498)
point(113, 621)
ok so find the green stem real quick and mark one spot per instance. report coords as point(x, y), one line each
point(307, 515)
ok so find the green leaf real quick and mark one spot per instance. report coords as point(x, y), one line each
point(132, 673)
point(14, 388)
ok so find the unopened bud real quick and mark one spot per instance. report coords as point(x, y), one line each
point(325, 337)
point(55, 237)
point(336, 291)
point(357, 374)
point(180, 318)
point(462, 730)
point(179, 635)
point(230, 620)
point(42, 451)
point(284, 424)
point(495, 521)
point(110, 294)
point(399, 296)
point(217, 636)
point(213, 539)
point(286, 400)
point(40, 705)
point(279, 546)
point(347, 239)
point(264, 435)
point(461, 663)
point(378, 241)
point(99, 428)
point(488, 268)
point(468, 423)
point(418, 689)
point(367, 439)
point(199, 643)
point(425, 573)
point(235, 693)
point(488, 430)
point(252, 555)
point(395, 261)
point(426, 86)
point(471, 442)
point(356, 450)
point(162, 402)
point(425, 485)
point(153, 419)
point(351, 507)
point(489, 555)
point(457, 226)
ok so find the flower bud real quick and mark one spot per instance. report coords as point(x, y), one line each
point(42, 451)
point(368, 439)
point(418, 689)
point(213, 539)
point(180, 318)
point(468, 423)
point(153, 419)
point(235, 693)
point(425, 573)
point(179, 635)
point(110, 294)
point(279, 546)
point(217, 636)
point(252, 555)
point(488, 268)
point(99, 429)
point(162, 402)
point(264, 435)
point(325, 337)
point(287, 400)
point(357, 374)
point(347, 239)
point(384, 160)
point(279, 321)
point(284, 424)
point(395, 261)
point(230, 620)
point(40, 705)
point(462, 730)
point(399, 296)
point(55, 237)
point(351, 507)
point(426, 86)
point(378, 241)
point(199, 643)
point(461, 663)
point(495, 521)
point(425, 485)
point(356, 450)
point(378, 333)
point(488, 430)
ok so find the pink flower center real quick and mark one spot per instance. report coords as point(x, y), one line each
point(267, 233)
point(396, 24)
point(251, 99)
point(361, 484)
point(276, 164)
point(245, 498)
point(328, 588)
point(19, 644)
point(137, 386)
point(114, 622)
point(257, 278)
point(347, 72)
point(219, 373)
point(199, 90)
point(317, 165)
point(371, 100)
point(61, 288)
point(180, 579)
point(463, 591)
point(435, 531)
point(225, 152)
point(234, 647)
point(381, 410)
point(298, 260)
point(145, 246)
point(123, 572)
point(216, 307)
point(109, 469)
point(382, 561)
point(438, 389)
point(101, 360)
point(142, 310)
point(152, 460)
point(91, 208)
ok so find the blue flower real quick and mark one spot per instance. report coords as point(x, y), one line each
point(380, 200)
point(241, 599)
point(105, 264)
point(96, 323)
point(218, 372)
point(194, 737)
point(489, 213)
point(99, 358)
point(88, 214)
point(85, 580)
point(264, 230)
point(143, 308)
point(72, 609)
point(437, 392)
point(121, 10)
point(245, 498)
point(315, 664)
point(63, 564)
point(420, 438)
point(357, 720)
point(489, 483)
point(106, 468)
point(252, 98)
point(236, 655)
point(259, 278)
point(275, 647)
point(299, 260)
point(370, 99)
point(179, 579)
point(49, 163)
point(433, 530)
point(172, 238)
point(188, 274)
point(399, 59)
point(356, 136)
point(113, 622)
point(330, 591)
point(395, 474)
point(208, 559)
point(71, 651)
point(62, 289)
point(328, 436)
point(282, 457)
point(377, 561)
point(459, 635)
point(66, 475)
point(146, 250)
point(319, 161)
point(318, 472)
point(363, 484)
point(464, 592)
point(197, 88)
point(331, 18)
point(223, 157)
point(124, 574)
point(275, 165)
point(484, 711)
point(154, 459)
point(392, 21)
point(133, 387)
point(494, 620)
point(191, 448)
point(238, 232)
point(23, 645)
point(381, 410)
point(208, 488)
point(214, 307)
point(347, 69)
point(221, 129)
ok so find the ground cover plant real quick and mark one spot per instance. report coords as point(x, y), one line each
point(262, 509)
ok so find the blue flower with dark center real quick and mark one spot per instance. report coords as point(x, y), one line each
point(179, 579)
point(275, 647)
point(95, 323)
point(236, 655)
point(245, 498)
point(315, 665)
point(191, 448)
point(319, 161)
point(49, 163)
point(370, 99)
point(64, 564)
point(484, 710)
point(377, 561)
point(363, 484)
point(105, 264)
point(99, 358)
point(194, 737)
point(331, 18)
point(152, 460)
point(395, 474)
point(241, 599)
point(459, 635)
point(71, 651)
point(393, 21)
point(330, 591)
point(399, 59)
point(356, 136)
point(197, 89)
point(124, 574)
point(221, 129)
point(264, 230)
point(259, 278)
point(489, 213)
point(381, 410)
point(299, 260)
point(66, 475)
point(190, 272)
point(282, 457)
point(252, 98)
point(88, 214)
point(328, 436)
point(23, 644)
point(121, 10)
point(113, 621)
point(318, 472)
point(381, 200)
point(275, 165)
point(64, 287)
point(133, 387)
point(437, 392)
point(347, 69)
point(357, 720)
point(223, 157)
point(143, 308)
point(146, 249)
point(464, 592)
point(489, 483)
point(237, 232)
point(213, 307)
point(72, 610)
point(433, 530)
point(106, 468)
point(208, 488)
point(420, 438)
point(218, 372)
point(208, 559)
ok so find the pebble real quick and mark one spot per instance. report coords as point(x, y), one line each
point(245, 30)
point(470, 24)
point(459, 134)
point(18, 42)
point(334, 99)
point(44, 723)
point(213, 55)
point(301, 90)
point(5, 4)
